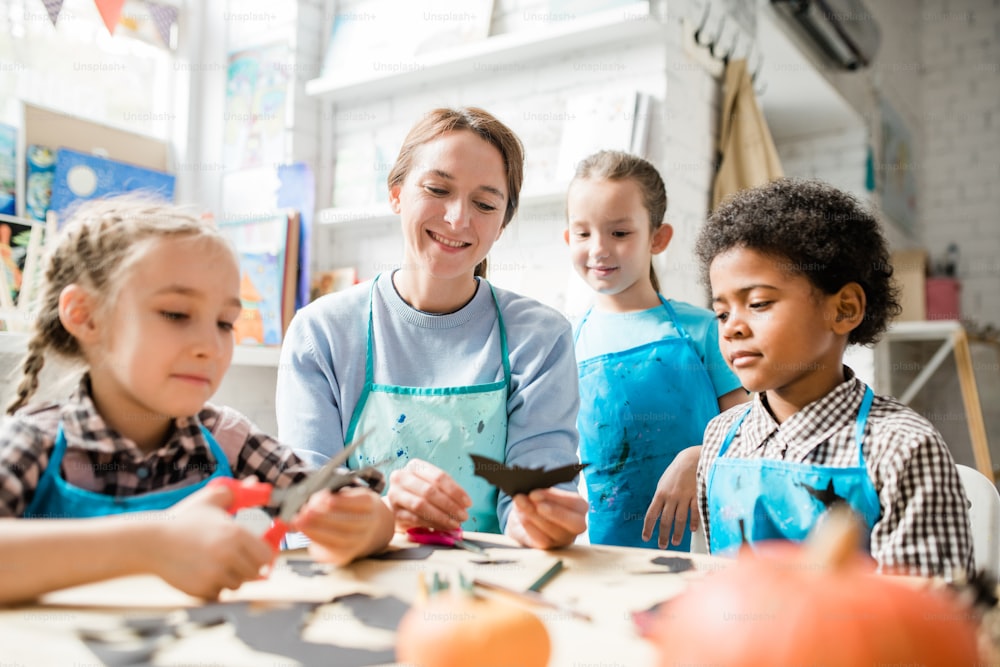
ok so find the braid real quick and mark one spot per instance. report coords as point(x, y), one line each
point(93, 250)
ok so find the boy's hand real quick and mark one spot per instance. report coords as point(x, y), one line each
point(547, 518)
point(676, 499)
point(197, 547)
point(423, 495)
point(344, 525)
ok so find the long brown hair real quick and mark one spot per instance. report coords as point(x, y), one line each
point(486, 126)
point(621, 166)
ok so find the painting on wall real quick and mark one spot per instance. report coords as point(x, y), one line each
point(257, 82)
point(897, 170)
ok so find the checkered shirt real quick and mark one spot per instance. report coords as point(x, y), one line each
point(99, 459)
point(924, 525)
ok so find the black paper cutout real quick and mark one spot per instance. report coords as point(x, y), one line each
point(306, 567)
point(674, 563)
point(516, 479)
point(421, 552)
point(277, 628)
point(382, 612)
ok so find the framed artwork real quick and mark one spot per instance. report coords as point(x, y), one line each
point(897, 170)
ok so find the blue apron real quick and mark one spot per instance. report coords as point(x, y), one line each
point(441, 425)
point(55, 498)
point(763, 499)
point(638, 409)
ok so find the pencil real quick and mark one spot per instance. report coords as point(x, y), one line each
point(533, 597)
point(547, 577)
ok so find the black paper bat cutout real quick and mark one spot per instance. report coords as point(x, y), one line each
point(515, 479)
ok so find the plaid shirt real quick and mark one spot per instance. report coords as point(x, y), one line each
point(98, 459)
point(924, 525)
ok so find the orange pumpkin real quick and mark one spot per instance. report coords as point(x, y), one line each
point(459, 629)
point(813, 606)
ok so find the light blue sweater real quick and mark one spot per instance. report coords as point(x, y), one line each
point(322, 370)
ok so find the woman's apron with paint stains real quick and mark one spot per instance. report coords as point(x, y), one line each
point(441, 425)
point(638, 409)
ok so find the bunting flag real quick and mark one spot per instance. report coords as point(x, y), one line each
point(111, 11)
point(164, 17)
point(53, 7)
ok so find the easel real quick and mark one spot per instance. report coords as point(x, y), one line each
point(954, 340)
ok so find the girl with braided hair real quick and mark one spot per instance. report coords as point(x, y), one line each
point(145, 295)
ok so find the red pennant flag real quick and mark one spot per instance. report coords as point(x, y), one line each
point(53, 7)
point(111, 11)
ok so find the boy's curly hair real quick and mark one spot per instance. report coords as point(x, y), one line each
point(814, 230)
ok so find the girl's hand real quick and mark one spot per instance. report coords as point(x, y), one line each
point(675, 500)
point(345, 525)
point(196, 545)
point(423, 495)
point(547, 518)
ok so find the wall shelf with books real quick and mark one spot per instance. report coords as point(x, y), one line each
point(549, 39)
point(372, 214)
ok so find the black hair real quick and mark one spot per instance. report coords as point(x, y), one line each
point(814, 230)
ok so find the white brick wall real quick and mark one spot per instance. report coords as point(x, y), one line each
point(936, 67)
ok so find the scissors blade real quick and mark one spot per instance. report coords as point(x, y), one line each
point(297, 494)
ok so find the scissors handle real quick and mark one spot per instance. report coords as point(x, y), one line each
point(446, 538)
point(245, 494)
point(275, 534)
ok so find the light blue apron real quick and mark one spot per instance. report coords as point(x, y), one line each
point(638, 409)
point(55, 498)
point(441, 425)
point(763, 499)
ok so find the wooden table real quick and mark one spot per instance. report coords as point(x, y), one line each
point(606, 583)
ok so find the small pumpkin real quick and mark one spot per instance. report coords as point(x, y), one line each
point(817, 604)
point(457, 628)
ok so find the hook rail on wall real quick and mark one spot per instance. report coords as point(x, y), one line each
point(703, 43)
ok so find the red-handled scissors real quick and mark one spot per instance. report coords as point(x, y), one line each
point(289, 501)
point(446, 538)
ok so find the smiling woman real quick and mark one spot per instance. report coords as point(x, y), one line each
point(436, 361)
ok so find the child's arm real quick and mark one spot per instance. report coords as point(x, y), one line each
point(195, 546)
point(924, 527)
point(675, 499)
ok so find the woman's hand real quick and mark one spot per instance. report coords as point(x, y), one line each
point(423, 495)
point(547, 518)
point(345, 525)
point(196, 545)
point(675, 500)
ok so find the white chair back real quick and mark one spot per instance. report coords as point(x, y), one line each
point(984, 515)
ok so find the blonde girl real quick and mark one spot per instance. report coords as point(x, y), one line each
point(144, 297)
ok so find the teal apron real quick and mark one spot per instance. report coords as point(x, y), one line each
point(55, 498)
point(638, 409)
point(441, 425)
point(763, 499)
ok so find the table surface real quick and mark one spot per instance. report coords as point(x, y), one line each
point(606, 583)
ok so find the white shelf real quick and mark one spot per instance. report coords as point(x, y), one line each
point(479, 58)
point(250, 355)
point(379, 213)
point(243, 355)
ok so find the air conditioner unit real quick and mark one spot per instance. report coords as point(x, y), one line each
point(843, 30)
